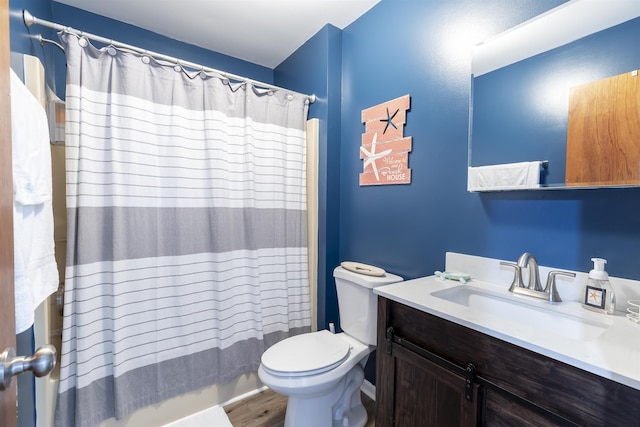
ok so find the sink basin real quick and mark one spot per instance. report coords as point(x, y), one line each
point(538, 315)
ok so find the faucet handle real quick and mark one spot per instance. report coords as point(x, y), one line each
point(552, 288)
point(517, 275)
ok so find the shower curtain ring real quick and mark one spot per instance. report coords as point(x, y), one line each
point(111, 49)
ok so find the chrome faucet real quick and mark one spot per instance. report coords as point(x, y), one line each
point(528, 261)
point(533, 288)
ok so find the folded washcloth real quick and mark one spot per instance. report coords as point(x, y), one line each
point(508, 176)
point(36, 272)
point(450, 275)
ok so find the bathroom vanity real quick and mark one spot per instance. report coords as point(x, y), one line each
point(452, 354)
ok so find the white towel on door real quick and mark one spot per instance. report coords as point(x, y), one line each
point(508, 176)
point(36, 272)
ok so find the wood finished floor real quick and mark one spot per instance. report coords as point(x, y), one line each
point(267, 409)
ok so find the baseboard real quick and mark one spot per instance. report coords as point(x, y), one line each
point(243, 396)
point(369, 389)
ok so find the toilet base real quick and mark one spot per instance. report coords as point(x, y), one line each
point(341, 407)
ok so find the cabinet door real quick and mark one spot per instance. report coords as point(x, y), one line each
point(502, 411)
point(425, 394)
point(603, 132)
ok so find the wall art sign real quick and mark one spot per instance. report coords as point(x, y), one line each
point(385, 149)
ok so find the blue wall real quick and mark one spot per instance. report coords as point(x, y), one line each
point(421, 48)
point(316, 68)
point(130, 34)
point(79, 19)
point(21, 37)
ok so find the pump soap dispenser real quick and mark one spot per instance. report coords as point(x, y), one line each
point(598, 293)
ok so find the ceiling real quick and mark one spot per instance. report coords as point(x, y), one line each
point(264, 32)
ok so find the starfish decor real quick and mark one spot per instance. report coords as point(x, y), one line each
point(372, 156)
point(389, 121)
point(385, 155)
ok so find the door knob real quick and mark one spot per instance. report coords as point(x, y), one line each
point(41, 363)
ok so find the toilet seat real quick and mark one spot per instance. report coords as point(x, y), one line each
point(306, 354)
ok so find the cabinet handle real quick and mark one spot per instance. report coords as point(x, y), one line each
point(390, 333)
point(469, 380)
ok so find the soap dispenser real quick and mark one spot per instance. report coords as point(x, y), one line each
point(598, 293)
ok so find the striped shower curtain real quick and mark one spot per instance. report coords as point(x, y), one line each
point(187, 245)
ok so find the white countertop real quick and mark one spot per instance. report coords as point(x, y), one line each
point(614, 354)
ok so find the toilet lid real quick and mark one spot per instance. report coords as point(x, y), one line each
point(306, 354)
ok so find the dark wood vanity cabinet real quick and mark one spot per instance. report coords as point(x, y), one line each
point(425, 394)
point(433, 372)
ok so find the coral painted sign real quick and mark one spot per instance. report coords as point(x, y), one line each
point(385, 149)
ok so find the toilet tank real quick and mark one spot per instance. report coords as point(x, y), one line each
point(358, 304)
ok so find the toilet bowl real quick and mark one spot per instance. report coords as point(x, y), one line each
point(322, 372)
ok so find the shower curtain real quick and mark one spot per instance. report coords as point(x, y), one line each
point(186, 204)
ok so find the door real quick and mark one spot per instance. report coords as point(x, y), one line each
point(603, 132)
point(425, 394)
point(8, 415)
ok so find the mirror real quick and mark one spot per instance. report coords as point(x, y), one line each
point(521, 82)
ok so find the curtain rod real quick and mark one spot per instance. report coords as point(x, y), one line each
point(30, 20)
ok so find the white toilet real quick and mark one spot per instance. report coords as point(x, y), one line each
point(322, 372)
